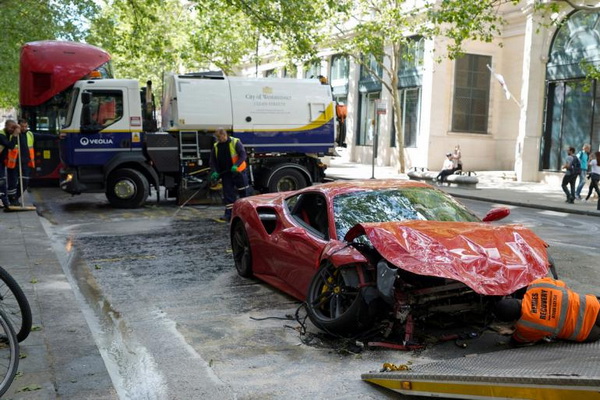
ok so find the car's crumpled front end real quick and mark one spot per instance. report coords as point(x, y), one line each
point(417, 269)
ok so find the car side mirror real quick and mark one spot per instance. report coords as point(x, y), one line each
point(496, 214)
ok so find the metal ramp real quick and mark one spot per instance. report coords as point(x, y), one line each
point(552, 371)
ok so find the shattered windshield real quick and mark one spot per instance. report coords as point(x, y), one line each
point(396, 205)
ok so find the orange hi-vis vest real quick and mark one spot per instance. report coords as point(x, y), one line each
point(13, 154)
point(234, 155)
point(550, 309)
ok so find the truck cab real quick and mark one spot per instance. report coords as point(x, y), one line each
point(103, 134)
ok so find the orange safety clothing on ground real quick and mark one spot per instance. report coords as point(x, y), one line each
point(550, 309)
point(234, 155)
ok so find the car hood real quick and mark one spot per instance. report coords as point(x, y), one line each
point(492, 260)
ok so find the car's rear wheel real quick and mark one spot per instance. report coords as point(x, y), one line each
point(242, 253)
point(335, 307)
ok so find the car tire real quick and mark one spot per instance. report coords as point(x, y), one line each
point(127, 188)
point(334, 307)
point(242, 253)
point(286, 179)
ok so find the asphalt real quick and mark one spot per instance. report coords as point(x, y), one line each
point(60, 359)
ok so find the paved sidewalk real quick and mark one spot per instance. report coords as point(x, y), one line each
point(59, 359)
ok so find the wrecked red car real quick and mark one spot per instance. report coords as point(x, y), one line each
point(360, 252)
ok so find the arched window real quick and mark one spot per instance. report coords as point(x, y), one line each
point(572, 113)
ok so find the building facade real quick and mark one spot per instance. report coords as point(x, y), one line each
point(511, 107)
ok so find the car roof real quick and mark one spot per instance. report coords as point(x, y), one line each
point(332, 189)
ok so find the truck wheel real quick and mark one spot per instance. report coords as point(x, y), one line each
point(127, 188)
point(287, 179)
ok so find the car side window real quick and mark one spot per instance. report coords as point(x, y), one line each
point(310, 211)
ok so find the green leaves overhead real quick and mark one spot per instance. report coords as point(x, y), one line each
point(30, 20)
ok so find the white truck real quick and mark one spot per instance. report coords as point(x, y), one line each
point(111, 143)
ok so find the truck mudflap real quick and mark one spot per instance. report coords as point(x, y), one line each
point(561, 371)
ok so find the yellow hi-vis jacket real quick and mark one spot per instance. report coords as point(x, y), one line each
point(234, 155)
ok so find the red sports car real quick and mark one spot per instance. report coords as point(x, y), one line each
point(359, 252)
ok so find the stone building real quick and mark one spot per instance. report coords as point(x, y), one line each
point(525, 125)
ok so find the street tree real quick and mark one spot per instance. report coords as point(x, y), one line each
point(379, 34)
point(149, 37)
point(31, 20)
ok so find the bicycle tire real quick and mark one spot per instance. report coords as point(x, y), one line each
point(15, 305)
point(9, 353)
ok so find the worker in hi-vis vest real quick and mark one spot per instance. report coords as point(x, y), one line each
point(228, 162)
point(551, 310)
point(26, 152)
point(8, 141)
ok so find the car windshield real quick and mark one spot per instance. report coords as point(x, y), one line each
point(396, 205)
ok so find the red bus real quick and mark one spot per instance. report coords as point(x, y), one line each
point(48, 70)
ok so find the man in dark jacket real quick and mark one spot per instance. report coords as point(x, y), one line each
point(228, 162)
point(20, 164)
point(571, 175)
point(8, 141)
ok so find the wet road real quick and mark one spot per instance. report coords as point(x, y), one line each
point(173, 320)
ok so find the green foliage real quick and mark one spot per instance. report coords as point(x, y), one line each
point(461, 20)
point(30, 20)
point(149, 37)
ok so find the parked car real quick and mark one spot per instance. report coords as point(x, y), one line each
point(359, 252)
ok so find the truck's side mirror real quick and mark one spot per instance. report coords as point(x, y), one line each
point(86, 98)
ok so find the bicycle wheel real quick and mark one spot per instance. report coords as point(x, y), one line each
point(15, 305)
point(9, 353)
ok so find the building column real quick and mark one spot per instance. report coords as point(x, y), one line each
point(532, 98)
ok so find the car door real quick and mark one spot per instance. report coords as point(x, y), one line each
point(301, 243)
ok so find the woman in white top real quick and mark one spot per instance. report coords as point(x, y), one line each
point(595, 176)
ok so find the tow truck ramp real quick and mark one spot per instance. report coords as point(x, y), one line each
point(556, 371)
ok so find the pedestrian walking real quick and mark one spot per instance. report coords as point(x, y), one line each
point(8, 142)
point(572, 170)
point(549, 309)
point(583, 157)
point(594, 175)
point(228, 162)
